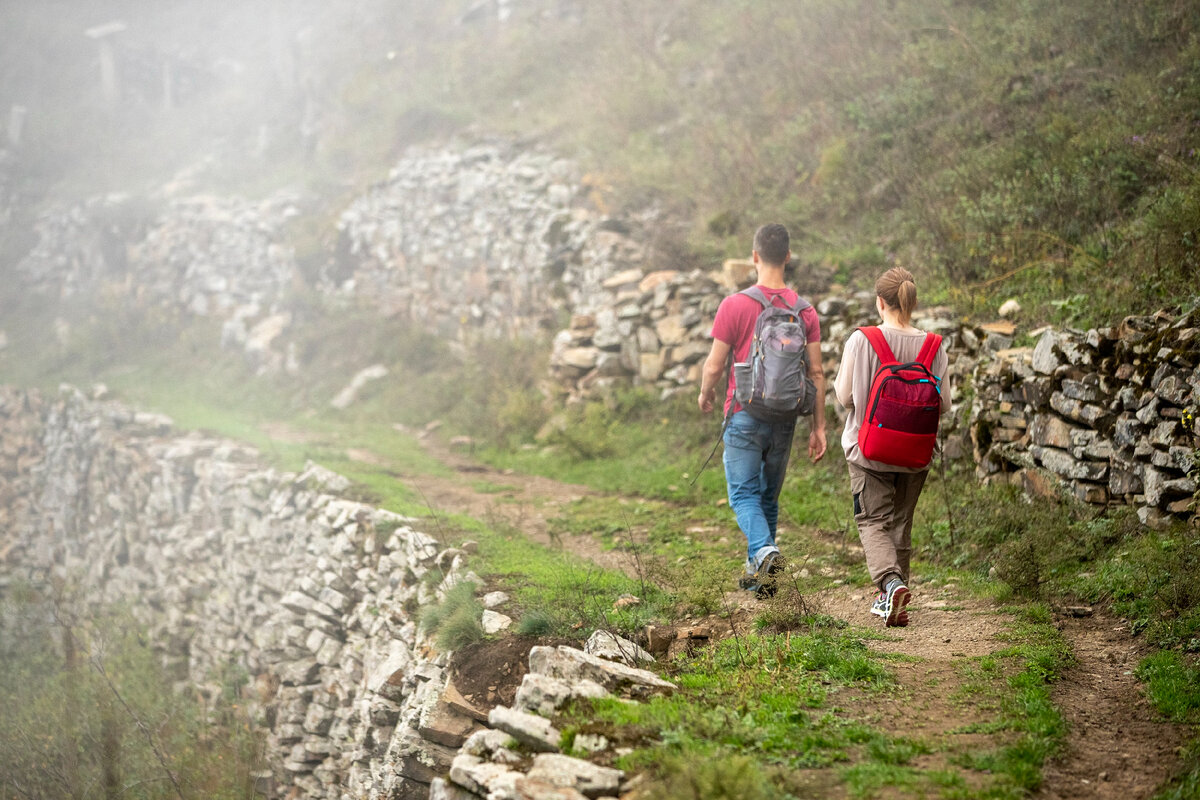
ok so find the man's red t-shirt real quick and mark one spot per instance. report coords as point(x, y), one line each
point(734, 325)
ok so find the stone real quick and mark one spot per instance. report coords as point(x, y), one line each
point(542, 694)
point(607, 645)
point(1079, 390)
point(1046, 357)
point(1163, 434)
point(1154, 519)
point(534, 732)
point(1174, 390)
point(582, 358)
point(417, 759)
point(346, 397)
point(569, 664)
point(454, 698)
point(476, 775)
point(486, 743)
point(494, 600)
point(442, 789)
point(1050, 430)
point(1064, 464)
point(1123, 480)
point(621, 280)
point(1009, 308)
point(1089, 493)
point(589, 779)
point(1127, 432)
point(1092, 415)
point(738, 273)
point(441, 724)
point(495, 622)
point(1184, 506)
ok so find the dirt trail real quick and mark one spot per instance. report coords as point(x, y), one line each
point(1116, 748)
point(518, 502)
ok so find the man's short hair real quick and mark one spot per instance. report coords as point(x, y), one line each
point(772, 243)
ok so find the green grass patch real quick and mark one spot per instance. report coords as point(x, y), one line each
point(1016, 682)
point(1173, 684)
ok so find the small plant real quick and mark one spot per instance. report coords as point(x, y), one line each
point(722, 778)
point(455, 622)
point(535, 623)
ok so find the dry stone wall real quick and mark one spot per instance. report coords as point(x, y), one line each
point(1106, 416)
point(228, 563)
point(493, 238)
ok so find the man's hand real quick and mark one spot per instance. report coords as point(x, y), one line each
point(710, 376)
point(816, 444)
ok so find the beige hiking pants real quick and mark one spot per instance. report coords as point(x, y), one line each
point(884, 503)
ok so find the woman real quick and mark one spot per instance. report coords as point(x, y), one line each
point(885, 495)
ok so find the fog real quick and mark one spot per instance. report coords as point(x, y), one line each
point(108, 96)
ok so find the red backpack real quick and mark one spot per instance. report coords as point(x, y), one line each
point(903, 406)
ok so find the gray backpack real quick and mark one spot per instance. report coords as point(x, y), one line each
point(773, 386)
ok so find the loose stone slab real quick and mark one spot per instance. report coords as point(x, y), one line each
point(609, 646)
point(543, 694)
point(569, 664)
point(532, 731)
point(590, 779)
point(475, 774)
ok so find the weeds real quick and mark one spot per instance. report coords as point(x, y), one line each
point(455, 621)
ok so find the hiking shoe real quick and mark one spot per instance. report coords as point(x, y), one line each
point(879, 609)
point(767, 575)
point(894, 602)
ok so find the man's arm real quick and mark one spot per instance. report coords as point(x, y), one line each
point(714, 368)
point(816, 437)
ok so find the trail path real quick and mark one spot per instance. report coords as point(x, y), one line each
point(1117, 747)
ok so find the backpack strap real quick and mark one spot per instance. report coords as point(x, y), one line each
point(929, 349)
point(762, 299)
point(879, 344)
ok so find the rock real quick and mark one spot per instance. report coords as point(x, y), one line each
point(494, 622)
point(569, 664)
point(1009, 308)
point(1046, 358)
point(1062, 463)
point(587, 778)
point(441, 789)
point(346, 397)
point(491, 745)
point(495, 599)
point(534, 732)
point(476, 775)
point(542, 694)
point(738, 273)
point(453, 697)
point(607, 645)
point(442, 724)
point(1050, 430)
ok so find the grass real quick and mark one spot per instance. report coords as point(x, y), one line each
point(1016, 683)
point(790, 692)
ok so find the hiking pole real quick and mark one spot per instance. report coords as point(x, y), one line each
point(724, 423)
point(716, 444)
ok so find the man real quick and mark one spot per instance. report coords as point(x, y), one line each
point(756, 453)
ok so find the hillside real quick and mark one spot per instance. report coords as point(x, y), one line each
point(466, 256)
point(1030, 150)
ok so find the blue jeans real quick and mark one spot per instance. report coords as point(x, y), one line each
point(756, 458)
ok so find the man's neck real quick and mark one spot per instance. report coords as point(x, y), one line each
point(771, 276)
